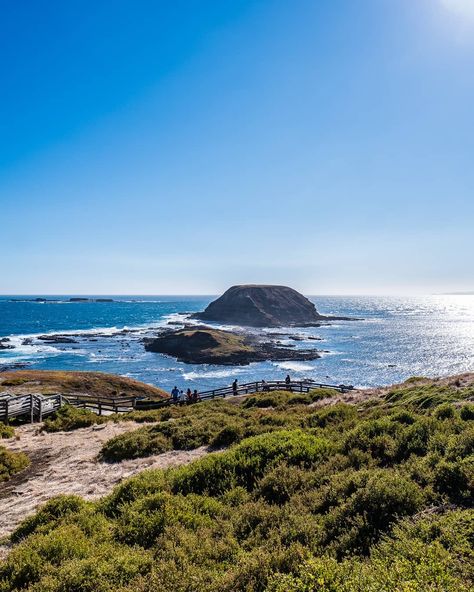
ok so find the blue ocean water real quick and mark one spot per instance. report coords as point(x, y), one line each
point(397, 337)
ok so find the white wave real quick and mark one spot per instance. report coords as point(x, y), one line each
point(30, 349)
point(211, 374)
point(294, 366)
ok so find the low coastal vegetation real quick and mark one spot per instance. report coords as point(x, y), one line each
point(216, 424)
point(6, 431)
point(11, 463)
point(69, 418)
point(370, 497)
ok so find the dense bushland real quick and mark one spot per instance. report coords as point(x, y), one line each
point(369, 498)
point(216, 424)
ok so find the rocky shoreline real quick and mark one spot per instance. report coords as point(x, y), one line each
point(204, 345)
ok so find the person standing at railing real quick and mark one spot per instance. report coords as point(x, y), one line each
point(196, 396)
point(175, 394)
point(265, 386)
point(234, 387)
point(288, 382)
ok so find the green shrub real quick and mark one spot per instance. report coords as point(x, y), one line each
point(467, 412)
point(266, 400)
point(333, 414)
point(455, 479)
point(143, 484)
point(143, 521)
point(363, 505)
point(404, 417)
point(6, 431)
point(445, 411)
point(48, 515)
point(433, 553)
point(69, 418)
point(318, 394)
point(245, 464)
point(378, 437)
point(424, 396)
point(278, 485)
point(136, 444)
point(228, 435)
point(66, 560)
point(414, 439)
point(11, 463)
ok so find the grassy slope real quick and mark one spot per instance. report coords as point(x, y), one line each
point(342, 498)
point(65, 382)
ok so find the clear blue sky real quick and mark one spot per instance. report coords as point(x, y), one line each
point(183, 146)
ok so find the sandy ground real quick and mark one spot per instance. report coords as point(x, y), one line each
point(66, 462)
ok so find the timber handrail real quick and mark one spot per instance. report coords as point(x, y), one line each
point(248, 388)
point(35, 407)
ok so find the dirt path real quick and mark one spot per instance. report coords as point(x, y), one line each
point(66, 463)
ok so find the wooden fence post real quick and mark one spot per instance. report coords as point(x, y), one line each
point(32, 410)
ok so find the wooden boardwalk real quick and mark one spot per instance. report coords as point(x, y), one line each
point(32, 407)
point(35, 407)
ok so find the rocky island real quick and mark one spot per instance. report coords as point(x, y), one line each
point(248, 306)
point(202, 345)
point(263, 306)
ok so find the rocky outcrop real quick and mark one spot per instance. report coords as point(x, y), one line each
point(81, 299)
point(201, 345)
point(5, 343)
point(262, 306)
point(56, 338)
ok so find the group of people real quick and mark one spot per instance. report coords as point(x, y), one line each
point(181, 397)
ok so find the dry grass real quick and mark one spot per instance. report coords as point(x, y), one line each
point(65, 382)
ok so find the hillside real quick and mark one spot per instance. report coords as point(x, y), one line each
point(64, 382)
point(369, 491)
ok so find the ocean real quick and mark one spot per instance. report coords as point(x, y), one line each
point(396, 338)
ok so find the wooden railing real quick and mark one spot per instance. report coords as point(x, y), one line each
point(247, 388)
point(35, 407)
point(102, 404)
